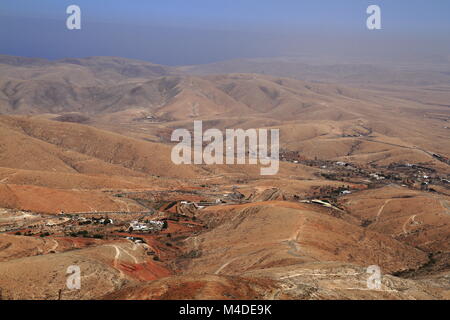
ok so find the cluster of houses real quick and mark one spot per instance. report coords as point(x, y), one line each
point(85, 221)
point(202, 204)
point(136, 240)
point(146, 226)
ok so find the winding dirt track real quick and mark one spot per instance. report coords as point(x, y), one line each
point(381, 210)
point(116, 260)
point(225, 265)
point(410, 219)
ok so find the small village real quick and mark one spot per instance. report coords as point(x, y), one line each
point(170, 214)
point(414, 176)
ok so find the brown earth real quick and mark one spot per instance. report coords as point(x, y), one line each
point(83, 135)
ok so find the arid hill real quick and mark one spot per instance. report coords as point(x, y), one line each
point(355, 73)
point(86, 179)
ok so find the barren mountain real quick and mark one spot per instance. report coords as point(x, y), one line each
point(86, 179)
point(360, 73)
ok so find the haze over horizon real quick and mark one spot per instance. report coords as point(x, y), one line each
point(179, 33)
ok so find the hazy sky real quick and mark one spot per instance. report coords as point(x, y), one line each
point(199, 31)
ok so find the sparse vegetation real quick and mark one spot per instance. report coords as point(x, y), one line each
point(356, 187)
